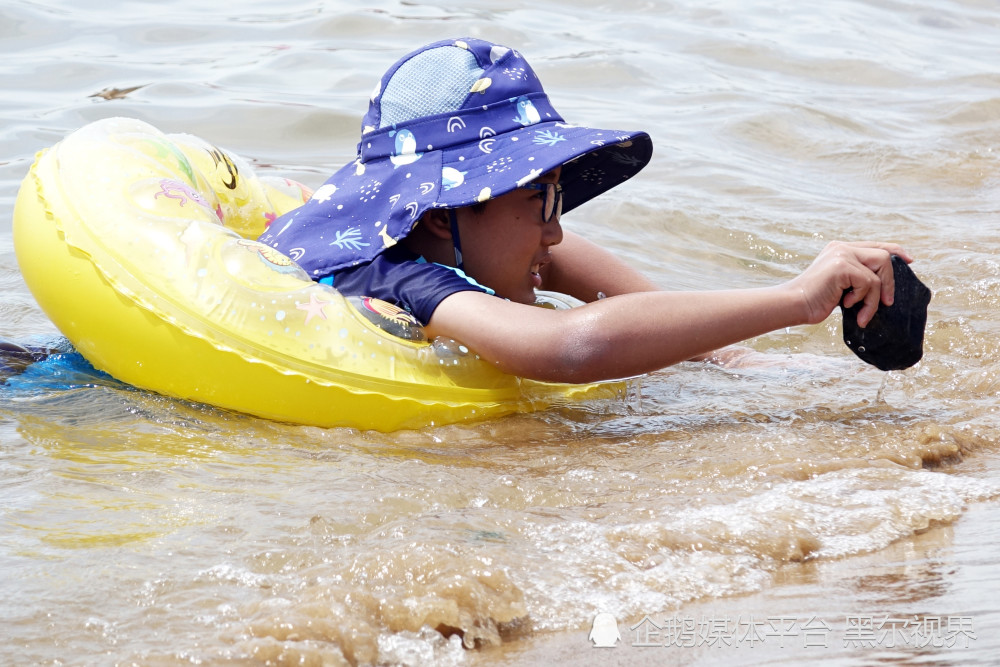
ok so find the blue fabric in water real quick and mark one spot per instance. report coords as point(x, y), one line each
point(49, 367)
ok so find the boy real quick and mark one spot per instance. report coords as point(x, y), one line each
point(452, 211)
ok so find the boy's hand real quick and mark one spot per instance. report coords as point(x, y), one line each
point(863, 268)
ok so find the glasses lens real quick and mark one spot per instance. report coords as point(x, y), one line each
point(553, 202)
point(551, 199)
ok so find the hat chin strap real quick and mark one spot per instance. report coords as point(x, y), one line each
point(456, 241)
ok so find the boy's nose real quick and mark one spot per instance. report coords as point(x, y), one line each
point(553, 232)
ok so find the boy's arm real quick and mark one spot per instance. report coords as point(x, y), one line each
point(617, 337)
point(636, 333)
point(583, 269)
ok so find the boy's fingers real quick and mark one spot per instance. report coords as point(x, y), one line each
point(891, 248)
point(877, 258)
point(888, 277)
point(871, 281)
point(867, 312)
point(880, 263)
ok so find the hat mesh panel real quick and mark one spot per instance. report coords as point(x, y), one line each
point(432, 82)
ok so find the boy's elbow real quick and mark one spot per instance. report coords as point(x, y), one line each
point(575, 346)
point(582, 365)
point(583, 355)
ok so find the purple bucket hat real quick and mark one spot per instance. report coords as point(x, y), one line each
point(452, 124)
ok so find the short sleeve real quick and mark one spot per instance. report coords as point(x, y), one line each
point(405, 280)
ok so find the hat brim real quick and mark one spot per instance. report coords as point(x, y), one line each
point(367, 206)
point(593, 162)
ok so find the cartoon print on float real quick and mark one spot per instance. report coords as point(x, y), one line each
point(222, 159)
point(388, 318)
point(172, 189)
point(274, 260)
point(182, 193)
point(164, 150)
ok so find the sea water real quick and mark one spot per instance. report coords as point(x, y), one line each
point(807, 508)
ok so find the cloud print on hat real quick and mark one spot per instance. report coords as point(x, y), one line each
point(452, 124)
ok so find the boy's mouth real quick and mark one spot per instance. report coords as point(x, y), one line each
point(536, 275)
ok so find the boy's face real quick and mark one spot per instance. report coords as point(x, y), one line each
point(506, 246)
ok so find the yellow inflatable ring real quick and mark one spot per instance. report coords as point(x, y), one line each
point(117, 233)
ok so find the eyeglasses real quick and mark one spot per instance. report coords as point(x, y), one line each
point(551, 208)
point(551, 199)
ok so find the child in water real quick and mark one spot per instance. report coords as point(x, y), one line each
point(452, 211)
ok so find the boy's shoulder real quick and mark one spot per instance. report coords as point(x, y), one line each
point(405, 279)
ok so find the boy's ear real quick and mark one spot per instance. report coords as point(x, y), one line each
point(436, 222)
